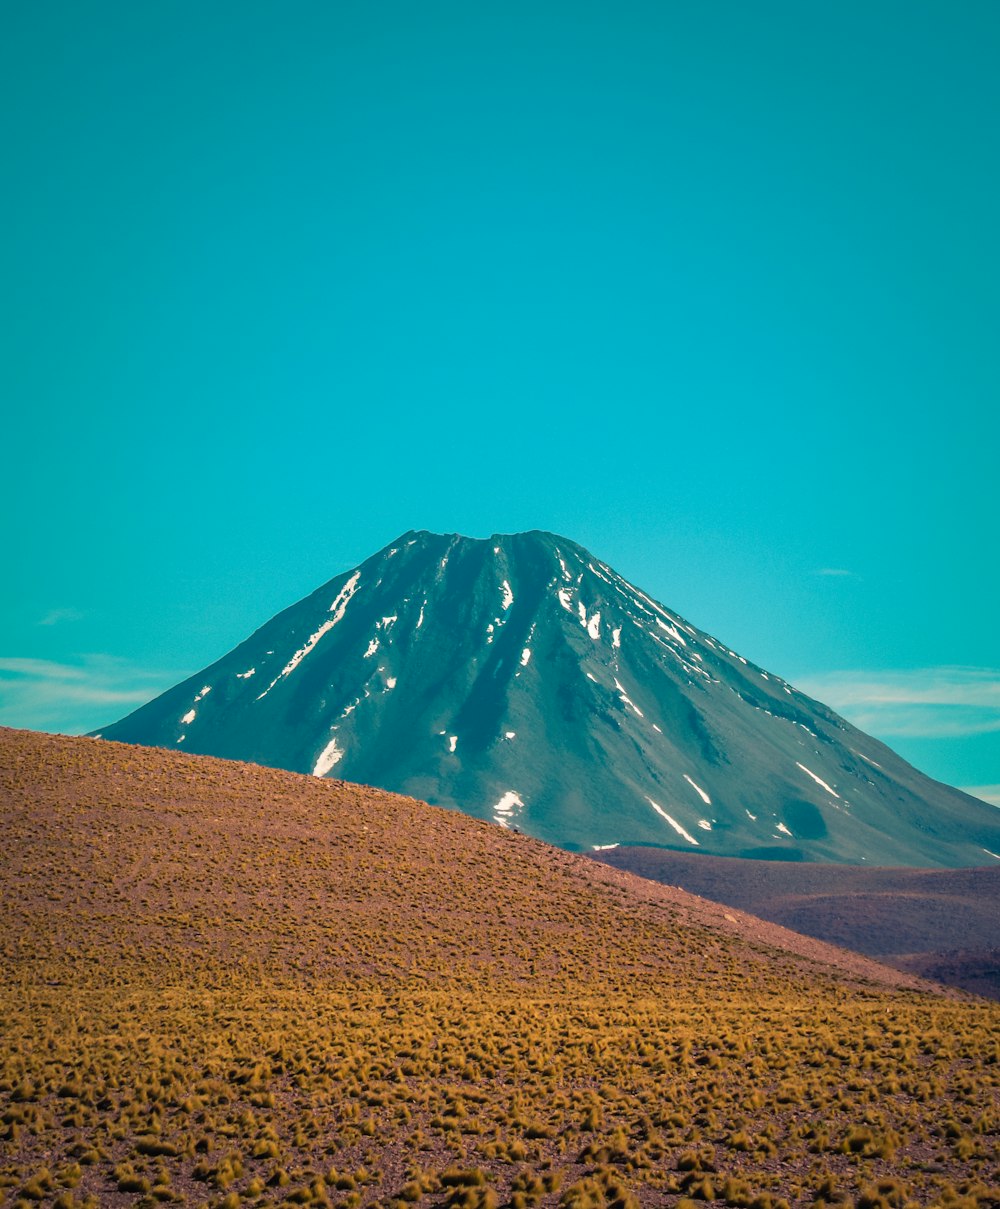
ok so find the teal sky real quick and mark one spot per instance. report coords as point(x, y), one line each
point(713, 289)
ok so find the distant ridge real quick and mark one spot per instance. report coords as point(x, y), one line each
point(520, 679)
point(940, 923)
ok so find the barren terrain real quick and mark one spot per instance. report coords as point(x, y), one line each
point(942, 923)
point(229, 986)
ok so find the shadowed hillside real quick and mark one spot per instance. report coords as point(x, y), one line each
point(942, 923)
point(233, 986)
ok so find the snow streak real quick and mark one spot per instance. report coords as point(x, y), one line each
point(817, 779)
point(337, 609)
point(673, 823)
point(328, 757)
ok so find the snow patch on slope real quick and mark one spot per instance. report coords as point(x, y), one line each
point(330, 756)
point(673, 822)
point(504, 810)
point(818, 780)
point(672, 630)
point(338, 608)
point(698, 790)
point(628, 700)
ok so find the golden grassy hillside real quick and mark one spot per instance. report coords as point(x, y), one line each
point(232, 986)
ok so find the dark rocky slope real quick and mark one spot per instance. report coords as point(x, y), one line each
point(522, 680)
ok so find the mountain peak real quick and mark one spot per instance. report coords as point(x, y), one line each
point(520, 679)
point(420, 535)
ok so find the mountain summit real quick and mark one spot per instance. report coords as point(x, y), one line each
point(521, 680)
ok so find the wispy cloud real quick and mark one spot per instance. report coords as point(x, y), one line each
point(841, 572)
point(71, 698)
point(988, 793)
point(937, 702)
point(58, 616)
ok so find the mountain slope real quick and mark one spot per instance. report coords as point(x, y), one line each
point(520, 679)
point(231, 985)
point(942, 923)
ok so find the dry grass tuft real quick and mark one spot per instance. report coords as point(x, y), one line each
point(229, 986)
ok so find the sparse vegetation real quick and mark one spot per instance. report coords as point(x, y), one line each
point(939, 923)
point(232, 987)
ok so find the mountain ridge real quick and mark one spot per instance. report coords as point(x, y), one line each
point(520, 679)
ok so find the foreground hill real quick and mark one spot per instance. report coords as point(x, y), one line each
point(522, 680)
point(232, 986)
point(942, 923)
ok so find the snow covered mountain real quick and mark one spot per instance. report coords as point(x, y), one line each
point(521, 680)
